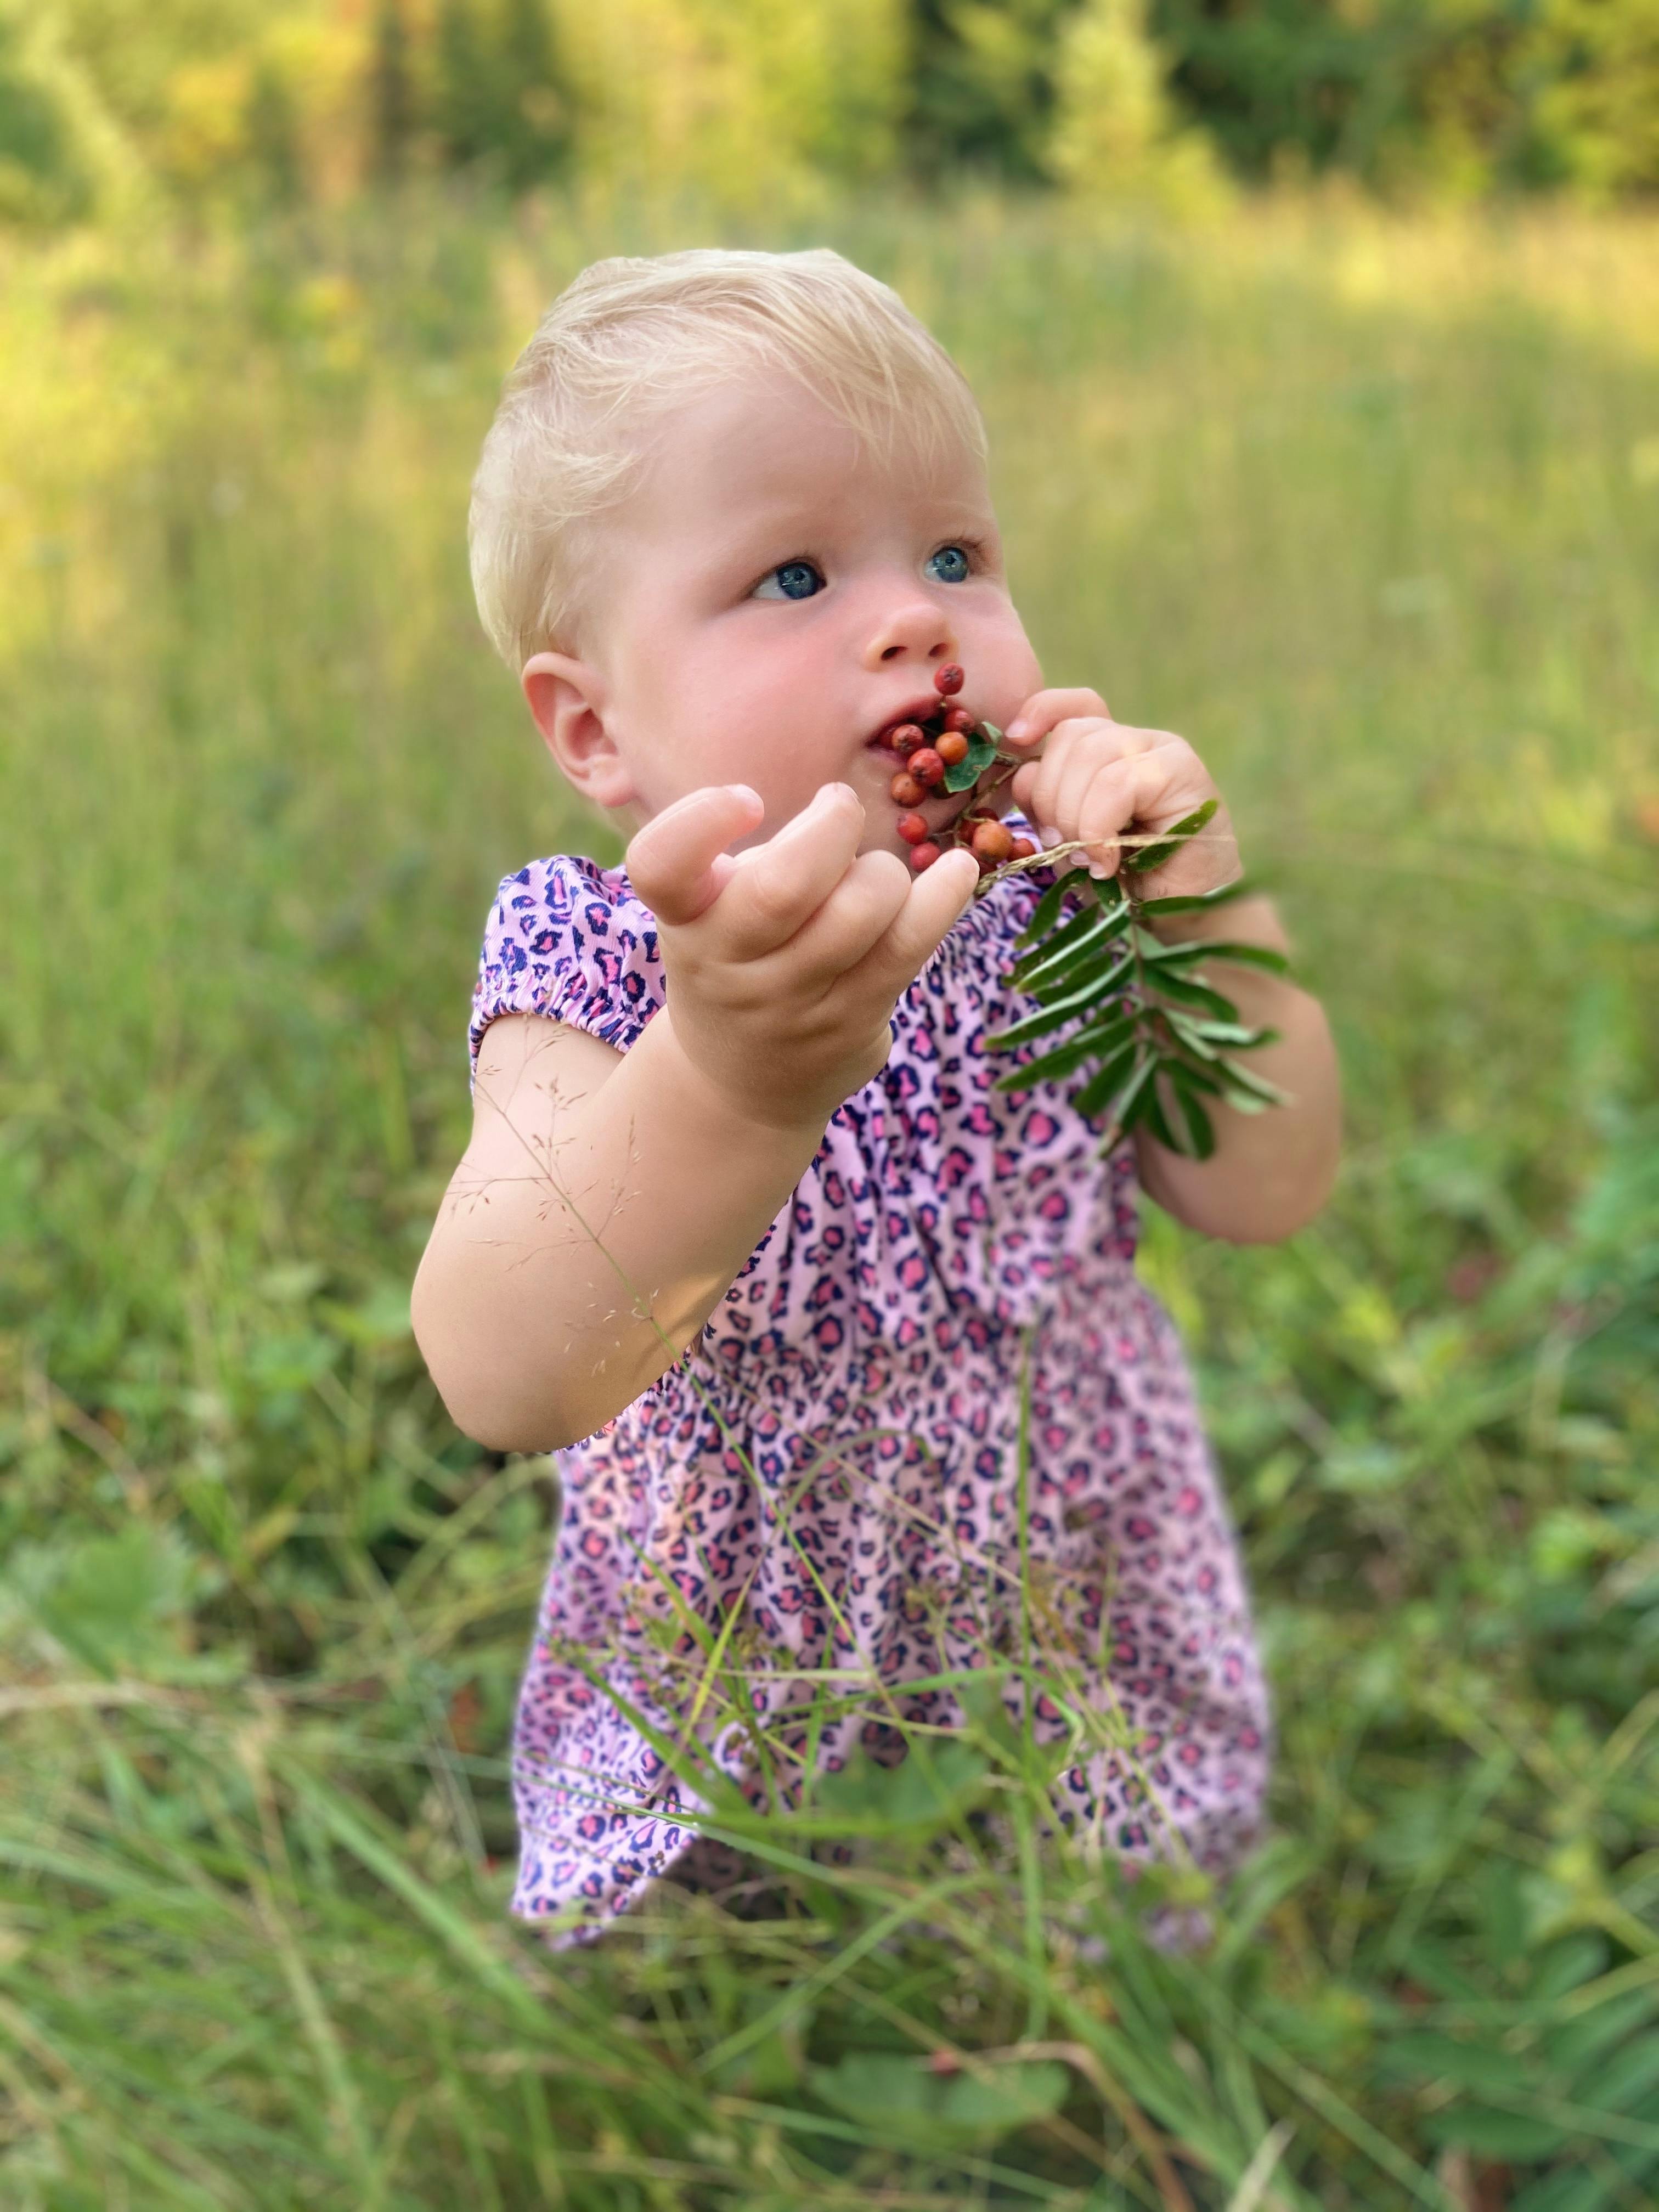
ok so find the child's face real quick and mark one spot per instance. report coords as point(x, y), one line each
point(772, 596)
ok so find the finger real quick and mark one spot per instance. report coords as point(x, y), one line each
point(856, 915)
point(937, 899)
point(674, 862)
point(1073, 744)
point(1044, 710)
point(778, 886)
point(1097, 755)
point(1111, 802)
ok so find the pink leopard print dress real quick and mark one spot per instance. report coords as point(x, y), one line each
point(951, 1247)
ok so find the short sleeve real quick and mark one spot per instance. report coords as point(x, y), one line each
point(567, 939)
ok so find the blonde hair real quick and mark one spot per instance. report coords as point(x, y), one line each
point(629, 338)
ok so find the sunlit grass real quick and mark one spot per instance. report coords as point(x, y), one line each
point(1371, 513)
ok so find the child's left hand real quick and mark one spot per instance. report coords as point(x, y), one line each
point(1095, 777)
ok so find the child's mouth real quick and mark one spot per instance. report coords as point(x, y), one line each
point(937, 743)
point(917, 712)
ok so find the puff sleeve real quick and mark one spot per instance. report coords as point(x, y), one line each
point(569, 940)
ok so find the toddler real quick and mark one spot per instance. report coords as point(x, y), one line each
point(744, 1232)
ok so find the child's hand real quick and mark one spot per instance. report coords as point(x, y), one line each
point(1095, 777)
point(784, 962)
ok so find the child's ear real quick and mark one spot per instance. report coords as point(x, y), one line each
point(568, 700)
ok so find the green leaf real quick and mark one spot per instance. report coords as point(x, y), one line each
point(1149, 1108)
point(1569, 1964)
point(1196, 902)
point(1139, 1096)
point(1205, 1038)
point(1581, 2042)
point(1249, 956)
point(1154, 856)
point(1078, 923)
point(1102, 1037)
point(1046, 912)
point(964, 774)
point(1195, 994)
point(923, 1791)
point(1629, 2074)
point(1424, 2057)
point(1103, 1085)
point(1573, 2189)
point(1497, 2134)
point(1067, 944)
point(1194, 1077)
point(899, 2099)
point(1503, 1913)
point(1156, 954)
point(1256, 1086)
point(1103, 972)
point(1051, 1017)
point(1200, 1130)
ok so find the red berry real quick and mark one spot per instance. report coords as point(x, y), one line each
point(994, 840)
point(905, 790)
point(1023, 850)
point(927, 767)
point(958, 718)
point(904, 738)
point(951, 747)
point(913, 828)
point(948, 680)
point(923, 856)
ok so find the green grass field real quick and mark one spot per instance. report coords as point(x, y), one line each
point(1369, 512)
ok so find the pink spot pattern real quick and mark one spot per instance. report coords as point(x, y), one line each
point(867, 1365)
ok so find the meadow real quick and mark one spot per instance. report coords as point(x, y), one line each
point(1370, 509)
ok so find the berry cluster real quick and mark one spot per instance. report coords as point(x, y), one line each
point(927, 751)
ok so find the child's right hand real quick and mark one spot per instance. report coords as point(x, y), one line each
point(785, 961)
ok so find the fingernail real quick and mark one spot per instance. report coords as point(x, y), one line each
point(1049, 839)
point(1099, 870)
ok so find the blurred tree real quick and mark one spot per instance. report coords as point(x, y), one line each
point(501, 98)
point(392, 95)
point(1117, 131)
point(273, 136)
point(40, 179)
point(982, 87)
point(1400, 92)
point(133, 50)
point(1269, 75)
point(1595, 121)
point(535, 105)
point(747, 102)
point(465, 109)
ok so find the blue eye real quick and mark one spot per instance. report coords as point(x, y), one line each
point(795, 580)
point(949, 565)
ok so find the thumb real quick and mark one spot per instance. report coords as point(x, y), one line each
point(678, 862)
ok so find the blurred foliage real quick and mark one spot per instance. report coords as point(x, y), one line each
point(749, 104)
point(1369, 509)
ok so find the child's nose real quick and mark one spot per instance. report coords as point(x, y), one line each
point(912, 628)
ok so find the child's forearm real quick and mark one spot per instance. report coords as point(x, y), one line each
point(583, 1244)
point(1271, 1172)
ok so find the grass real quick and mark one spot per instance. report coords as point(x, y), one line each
point(1371, 512)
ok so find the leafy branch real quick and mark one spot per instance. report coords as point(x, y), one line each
point(1158, 1040)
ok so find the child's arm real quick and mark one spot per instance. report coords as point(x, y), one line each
point(607, 1200)
point(1272, 1172)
